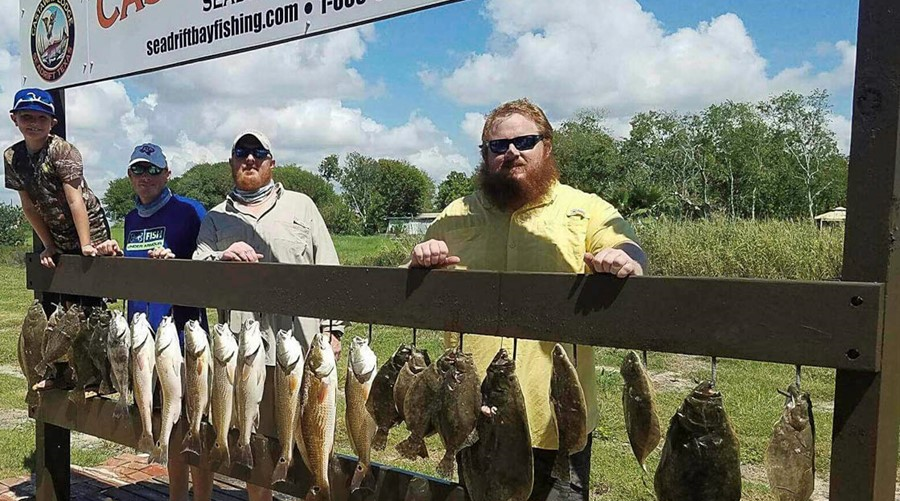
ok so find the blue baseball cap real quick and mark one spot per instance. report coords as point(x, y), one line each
point(34, 99)
point(149, 152)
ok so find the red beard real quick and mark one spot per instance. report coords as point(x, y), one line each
point(508, 193)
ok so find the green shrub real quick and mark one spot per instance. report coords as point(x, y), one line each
point(14, 228)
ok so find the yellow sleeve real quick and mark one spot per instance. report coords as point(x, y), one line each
point(607, 228)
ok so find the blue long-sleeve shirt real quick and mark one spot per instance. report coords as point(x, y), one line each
point(175, 227)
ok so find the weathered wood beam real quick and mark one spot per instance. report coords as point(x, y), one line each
point(867, 405)
point(828, 324)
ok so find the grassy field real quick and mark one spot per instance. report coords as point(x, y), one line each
point(749, 388)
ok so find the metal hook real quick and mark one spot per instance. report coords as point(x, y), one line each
point(575, 355)
point(797, 376)
point(644, 358)
point(715, 362)
point(370, 333)
point(414, 336)
point(515, 347)
point(460, 341)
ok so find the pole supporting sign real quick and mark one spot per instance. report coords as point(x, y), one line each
point(74, 42)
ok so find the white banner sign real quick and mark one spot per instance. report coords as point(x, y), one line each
point(72, 42)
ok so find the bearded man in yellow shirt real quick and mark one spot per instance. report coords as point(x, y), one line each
point(522, 218)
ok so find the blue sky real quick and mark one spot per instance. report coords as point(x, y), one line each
point(415, 87)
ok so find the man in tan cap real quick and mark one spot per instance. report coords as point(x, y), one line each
point(260, 221)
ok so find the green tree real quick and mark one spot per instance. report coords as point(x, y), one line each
point(800, 127)
point(376, 189)
point(337, 215)
point(119, 198)
point(587, 154)
point(455, 185)
point(206, 183)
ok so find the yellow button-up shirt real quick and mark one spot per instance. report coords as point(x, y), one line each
point(550, 235)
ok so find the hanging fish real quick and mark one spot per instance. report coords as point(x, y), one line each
point(791, 454)
point(639, 404)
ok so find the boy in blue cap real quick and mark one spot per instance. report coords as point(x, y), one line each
point(47, 172)
point(163, 225)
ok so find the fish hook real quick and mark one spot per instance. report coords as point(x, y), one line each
point(460, 348)
point(715, 363)
point(575, 355)
point(644, 358)
point(414, 336)
point(370, 333)
point(515, 347)
point(797, 376)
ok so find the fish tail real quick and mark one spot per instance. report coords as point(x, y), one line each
point(220, 453)
point(244, 455)
point(359, 475)
point(191, 443)
point(145, 443)
point(160, 454)
point(121, 410)
point(561, 466)
point(279, 474)
point(379, 441)
point(446, 467)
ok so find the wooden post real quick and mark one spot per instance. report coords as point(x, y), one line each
point(52, 451)
point(867, 405)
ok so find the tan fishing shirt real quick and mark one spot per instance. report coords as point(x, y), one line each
point(290, 231)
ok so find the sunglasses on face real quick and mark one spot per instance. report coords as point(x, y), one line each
point(258, 152)
point(522, 143)
point(138, 169)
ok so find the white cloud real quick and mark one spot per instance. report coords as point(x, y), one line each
point(294, 92)
point(841, 127)
point(612, 54)
point(472, 126)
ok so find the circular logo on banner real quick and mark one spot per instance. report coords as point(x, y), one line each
point(52, 38)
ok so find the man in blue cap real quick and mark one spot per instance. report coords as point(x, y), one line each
point(163, 225)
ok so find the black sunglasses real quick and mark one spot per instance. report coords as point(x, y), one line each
point(138, 169)
point(258, 152)
point(522, 143)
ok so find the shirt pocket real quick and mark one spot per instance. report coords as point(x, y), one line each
point(292, 242)
point(576, 224)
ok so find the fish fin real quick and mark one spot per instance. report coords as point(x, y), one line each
point(447, 465)
point(246, 371)
point(379, 441)
point(561, 467)
point(323, 392)
point(359, 476)
point(220, 454)
point(191, 443)
point(201, 363)
point(279, 474)
point(145, 443)
point(294, 384)
point(229, 371)
point(160, 454)
point(412, 448)
point(244, 456)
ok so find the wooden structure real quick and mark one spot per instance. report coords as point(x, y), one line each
point(853, 326)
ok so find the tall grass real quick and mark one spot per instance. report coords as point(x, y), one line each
point(752, 249)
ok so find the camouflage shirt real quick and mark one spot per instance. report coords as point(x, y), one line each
point(42, 175)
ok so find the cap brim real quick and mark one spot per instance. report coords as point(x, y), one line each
point(144, 160)
point(33, 107)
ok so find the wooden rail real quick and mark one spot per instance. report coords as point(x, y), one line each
point(827, 324)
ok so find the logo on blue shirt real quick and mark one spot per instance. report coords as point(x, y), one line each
point(142, 240)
